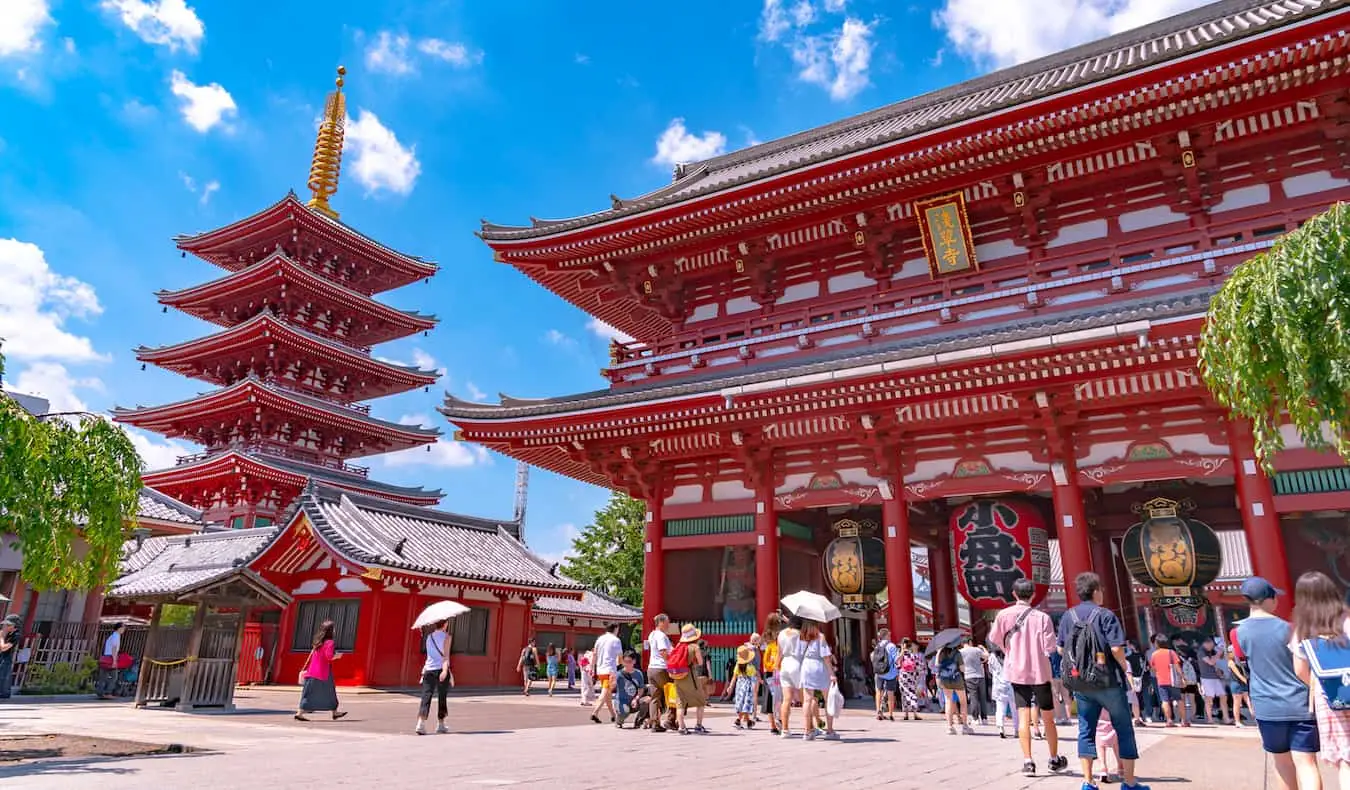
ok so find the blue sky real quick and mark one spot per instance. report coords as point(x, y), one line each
point(124, 122)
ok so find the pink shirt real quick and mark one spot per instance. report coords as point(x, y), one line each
point(1027, 650)
point(321, 662)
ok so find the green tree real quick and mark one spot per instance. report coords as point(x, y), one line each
point(607, 555)
point(62, 480)
point(1276, 345)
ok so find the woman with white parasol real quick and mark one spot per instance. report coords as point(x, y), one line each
point(434, 622)
point(817, 671)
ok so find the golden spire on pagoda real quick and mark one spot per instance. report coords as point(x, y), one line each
point(327, 164)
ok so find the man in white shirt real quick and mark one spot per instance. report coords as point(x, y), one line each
point(608, 648)
point(658, 648)
point(112, 647)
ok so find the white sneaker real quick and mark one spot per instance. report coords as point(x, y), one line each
point(420, 729)
point(785, 734)
point(441, 729)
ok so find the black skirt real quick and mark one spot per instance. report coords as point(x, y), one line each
point(318, 695)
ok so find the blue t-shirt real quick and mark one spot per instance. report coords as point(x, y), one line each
point(1276, 692)
point(1107, 625)
point(892, 656)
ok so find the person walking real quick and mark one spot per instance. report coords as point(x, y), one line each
point(790, 649)
point(526, 665)
point(973, 658)
point(658, 650)
point(608, 648)
point(587, 666)
point(745, 681)
point(952, 682)
point(1027, 637)
point(1166, 666)
point(679, 665)
point(909, 677)
point(436, 678)
point(818, 675)
point(1095, 665)
point(773, 625)
point(551, 666)
point(1000, 691)
point(107, 664)
point(9, 648)
point(1288, 727)
point(1320, 639)
point(886, 670)
point(570, 661)
point(318, 690)
point(1239, 684)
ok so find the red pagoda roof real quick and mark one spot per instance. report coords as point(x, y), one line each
point(270, 411)
point(265, 344)
point(371, 267)
point(224, 470)
point(277, 280)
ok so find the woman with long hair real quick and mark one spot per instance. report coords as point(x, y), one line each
point(551, 658)
point(790, 671)
point(952, 682)
point(773, 624)
point(318, 691)
point(818, 675)
point(911, 671)
point(1320, 629)
point(1239, 685)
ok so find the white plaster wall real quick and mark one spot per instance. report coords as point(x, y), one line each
point(1102, 452)
point(794, 482)
point(914, 327)
point(1083, 231)
point(310, 587)
point(741, 304)
point(927, 470)
point(914, 267)
point(1292, 441)
point(798, 292)
point(683, 495)
point(727, 490)
point(351, 584)
point(1150, 217)
point(1243, 197)
point(1020, 461)
point(992, 312)
point(1163, 282)
point(1196, 443)
point(856, 476)
point(1081, 296)
point(11, 559)
point(994, 250)
point(702, 313)
point(1310, 183)
point(847, 282)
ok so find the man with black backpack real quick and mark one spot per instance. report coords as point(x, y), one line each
point(886, 669)
point(1095, 669)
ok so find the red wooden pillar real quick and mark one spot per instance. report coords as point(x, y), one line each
point(1104, 564)
point(766, 555)
point(285, 641)
point(1260, 522)
point(372, 645)
point(1075, 551)
point(654, 564)
point(943, 583)
point(93, 605)
point(899, 570)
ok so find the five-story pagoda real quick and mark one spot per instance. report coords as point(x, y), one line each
point(293, 361)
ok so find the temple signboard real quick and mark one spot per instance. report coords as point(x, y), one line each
point(945, 229)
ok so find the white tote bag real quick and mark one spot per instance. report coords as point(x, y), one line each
point(834, 701)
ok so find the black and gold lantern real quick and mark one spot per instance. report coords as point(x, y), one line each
point(855, 564)
point(1174, 555)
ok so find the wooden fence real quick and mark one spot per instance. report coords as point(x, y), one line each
point(71, 643)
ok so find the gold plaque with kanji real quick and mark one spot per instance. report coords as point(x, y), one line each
point(945, 229)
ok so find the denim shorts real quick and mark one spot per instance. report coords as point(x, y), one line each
point(1282, 737)
point(1168, 694)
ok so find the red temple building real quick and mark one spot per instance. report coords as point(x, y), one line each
point(994, 290)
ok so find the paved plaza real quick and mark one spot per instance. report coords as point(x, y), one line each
point(504, 741)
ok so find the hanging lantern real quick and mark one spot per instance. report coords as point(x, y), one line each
point(855, 564)
point(1174, 555)
point(996, 542)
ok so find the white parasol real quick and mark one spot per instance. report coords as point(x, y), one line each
point(812, 606)
point(441, 610)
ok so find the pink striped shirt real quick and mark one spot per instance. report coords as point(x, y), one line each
point(1027, 651)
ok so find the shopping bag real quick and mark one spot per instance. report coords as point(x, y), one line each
point(672, 699)
point(834, 701)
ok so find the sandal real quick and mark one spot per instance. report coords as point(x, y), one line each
point(701, 730)
point(300, 717)
point(339, 714)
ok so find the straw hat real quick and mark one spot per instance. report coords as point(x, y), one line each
point(745, 654)
point(688, 633)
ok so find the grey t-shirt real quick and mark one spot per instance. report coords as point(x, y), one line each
point(972, 662)
point(1276, 692)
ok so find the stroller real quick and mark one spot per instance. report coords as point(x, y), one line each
point(127, 679)
point(119, 680)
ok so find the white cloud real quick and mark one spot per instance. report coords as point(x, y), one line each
point(453, 52)
point(773, 21)
point(21, 24)
point(168, 23)
point(564, 534)
point(836, 6)
point(557, 338)
point(35, 304)
point(474, 392)
point(203, 106)
point(69, 44)
point(388, 54)
point(581, 59)
point(51, 380)
point(204, 194)
point(838, 62)
point(445, 453)
point(210, 189)
point(426, 361)
point(677, 145)
point(803, 13)
point(606, 332)
point(381, 162)
point(1015, 31)
point(157, 452)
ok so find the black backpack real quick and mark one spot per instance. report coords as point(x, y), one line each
point(1085, 668)
point(881, 659)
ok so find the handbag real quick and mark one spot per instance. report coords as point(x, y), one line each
point(834, 701)
point(304, 669)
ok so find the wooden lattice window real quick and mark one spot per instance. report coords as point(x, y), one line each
point(309, 615)
point(470, 636)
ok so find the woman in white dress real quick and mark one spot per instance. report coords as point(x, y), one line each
point(818, 675)
point(789, 670)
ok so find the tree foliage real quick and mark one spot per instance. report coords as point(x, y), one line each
point(607, 555)
point(1276, 345)
point(62, 480)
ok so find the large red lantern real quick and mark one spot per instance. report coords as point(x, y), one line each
point(995, 543)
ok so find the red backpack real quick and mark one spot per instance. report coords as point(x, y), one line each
point(677, 663)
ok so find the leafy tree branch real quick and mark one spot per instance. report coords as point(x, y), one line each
point(607, 555)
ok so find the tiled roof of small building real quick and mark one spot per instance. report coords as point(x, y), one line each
point(159, 506)
point(593, 604)
point(379, 533)
point(166, 566)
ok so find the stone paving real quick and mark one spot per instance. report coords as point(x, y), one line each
point(501, 741)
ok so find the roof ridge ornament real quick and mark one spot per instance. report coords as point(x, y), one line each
point(326, 165)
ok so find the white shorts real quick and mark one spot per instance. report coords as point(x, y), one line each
point(1212, 687)
point(815, 675)
point(790, 673)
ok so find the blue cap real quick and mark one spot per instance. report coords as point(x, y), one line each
point(1257, 589)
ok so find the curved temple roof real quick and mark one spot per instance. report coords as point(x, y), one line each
point(1179, 36)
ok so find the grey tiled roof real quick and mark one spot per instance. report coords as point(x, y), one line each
point(379, 533)
point(173, 565)
point(162, 507)
point(1179, 36)
point(1154, 308)
point(325, 474)
point(593, 604)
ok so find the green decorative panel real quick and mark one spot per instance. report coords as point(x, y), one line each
point(792, 529)
point(716, 525)
point(1313, 481)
